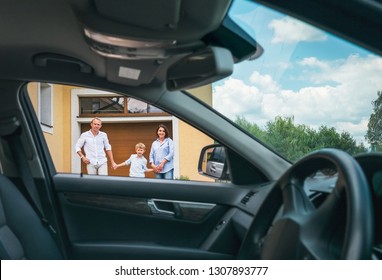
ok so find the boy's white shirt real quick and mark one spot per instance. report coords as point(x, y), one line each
point(138, 165)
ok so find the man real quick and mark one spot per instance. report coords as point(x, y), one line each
point(95, 143)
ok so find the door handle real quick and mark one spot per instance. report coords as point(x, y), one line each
point(156, 210)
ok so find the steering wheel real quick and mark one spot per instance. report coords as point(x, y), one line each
point(289, 226)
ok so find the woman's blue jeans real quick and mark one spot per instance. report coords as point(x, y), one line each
point(169, 175)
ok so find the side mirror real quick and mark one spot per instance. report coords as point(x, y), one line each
point(212, 162)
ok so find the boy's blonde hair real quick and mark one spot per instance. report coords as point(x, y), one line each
point(140, 146)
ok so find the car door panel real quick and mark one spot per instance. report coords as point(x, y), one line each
point(114, 217)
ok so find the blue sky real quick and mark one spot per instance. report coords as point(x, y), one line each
point(304, 72)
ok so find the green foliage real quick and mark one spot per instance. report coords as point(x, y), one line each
point(374, 127)
point(295, 140)
point(183, 177)
point(252, 128)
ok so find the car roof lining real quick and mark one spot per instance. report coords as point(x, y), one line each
point(27, 34)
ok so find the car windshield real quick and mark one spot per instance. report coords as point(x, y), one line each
point(308, 90)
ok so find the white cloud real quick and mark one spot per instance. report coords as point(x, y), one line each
point(358, 130)
point(247, 98)
point(289, 30)
point(313, 62)
point(264, 82)
point(342, 100)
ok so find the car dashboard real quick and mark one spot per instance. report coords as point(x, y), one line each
point(371, 164)
point(318, 186)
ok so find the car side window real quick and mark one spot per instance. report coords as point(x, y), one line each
point(126, 122)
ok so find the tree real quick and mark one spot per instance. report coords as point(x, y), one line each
point(287, 138)
point(252, 128)
point(296, 140)
point(374, 127)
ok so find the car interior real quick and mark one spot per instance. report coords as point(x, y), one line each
point(158, 51)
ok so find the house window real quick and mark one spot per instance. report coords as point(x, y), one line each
point(45, 93)
point(116, 106)
point(139, 107)
point(102, 105)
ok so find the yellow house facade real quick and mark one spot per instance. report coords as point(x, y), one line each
point(60, 111)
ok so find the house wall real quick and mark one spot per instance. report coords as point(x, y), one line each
point(191, 137)
point(190, 145)
point(59, 141)
point(33, 95)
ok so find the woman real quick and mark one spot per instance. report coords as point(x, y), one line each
point(162, 154)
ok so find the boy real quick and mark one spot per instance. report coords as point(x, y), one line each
point(138, 162)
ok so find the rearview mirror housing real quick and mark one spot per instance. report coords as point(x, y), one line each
point(200, 68)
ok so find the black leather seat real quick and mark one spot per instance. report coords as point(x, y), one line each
point(22, 234)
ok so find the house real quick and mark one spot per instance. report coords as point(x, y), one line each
point(65, 112)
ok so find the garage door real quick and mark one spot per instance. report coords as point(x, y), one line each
point(123, 137)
